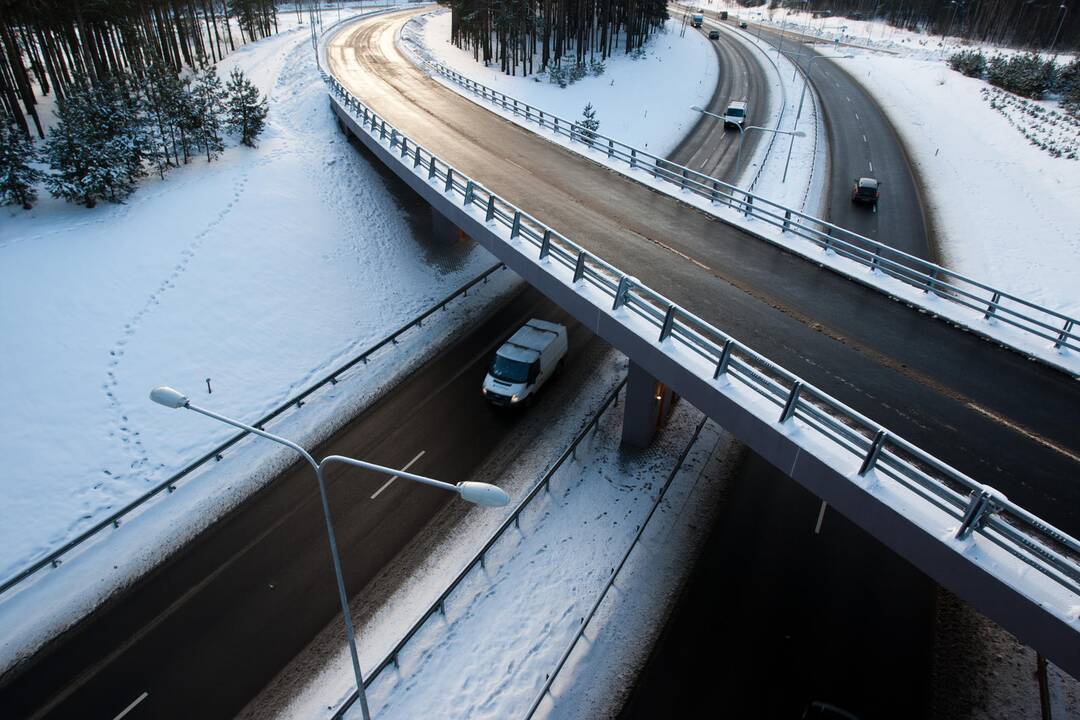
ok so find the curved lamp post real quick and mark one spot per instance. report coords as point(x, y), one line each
point(474, 492)
point(743, 131)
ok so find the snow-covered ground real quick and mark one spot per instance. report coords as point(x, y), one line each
point(261, 271)
point(568, 541)
point(642, 102)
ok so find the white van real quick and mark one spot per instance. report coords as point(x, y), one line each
point(525, 362)
point(735, 114)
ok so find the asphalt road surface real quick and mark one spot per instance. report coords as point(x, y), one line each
point(710, 148)
point(862, 143)
point(205, 632)
point(1004, 420)
point(789, 604)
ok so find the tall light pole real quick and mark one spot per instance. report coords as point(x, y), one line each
point(809, 69)
point(743, 131)
point(1058, 31)
point(474, 492)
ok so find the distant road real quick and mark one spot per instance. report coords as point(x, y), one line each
point(206, 632)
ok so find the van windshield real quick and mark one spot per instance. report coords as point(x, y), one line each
point(736, 112)
point(507, 370)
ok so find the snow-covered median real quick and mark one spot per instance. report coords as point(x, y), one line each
point(644, 102)
point(261, 272)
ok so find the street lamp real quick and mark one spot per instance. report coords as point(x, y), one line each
point(809, 69)
point(1058, 31)
point(474, 492)
point(743, 131)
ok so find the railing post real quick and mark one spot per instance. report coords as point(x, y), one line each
point(382, 130)
point(490, 208)
point(555, 121)
point(931, 283)
point(669, 321)
point(416, 153)
point(980, 506)
point(545, 246)
point(877, 258)
point(787, 221)
point(749, 204)
point(1063, 336)
point(449, 179)
point(792, 402)
point(715, 191)
point(725, 358)
point(991, 307)
point(469, 193)
point(828, 239)
point(685, 178)
point(656, 168)
point(393, 138)
point(541, 119)
point(431, 168)
point(515, 229)
point(610, 148)
point(579, 268)
point(620, 293)
point(873, 451)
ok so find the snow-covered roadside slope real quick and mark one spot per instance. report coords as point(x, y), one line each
point(259, 271)
point(642, 102)
point(1006, 212)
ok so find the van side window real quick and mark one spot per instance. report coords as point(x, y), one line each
point(534, 371)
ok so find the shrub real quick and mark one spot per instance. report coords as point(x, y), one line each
point(969, 62)
point(1028, 74)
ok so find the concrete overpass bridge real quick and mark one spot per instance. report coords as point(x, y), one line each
point(828, 354)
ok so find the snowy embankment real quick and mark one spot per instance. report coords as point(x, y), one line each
point(261, 272)
point(643, 102)
point(538, 579)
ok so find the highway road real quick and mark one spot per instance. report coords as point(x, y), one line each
point(205, 632)
point(862, 143)
point(995, 415)
point(803, 606)
point(709, 147)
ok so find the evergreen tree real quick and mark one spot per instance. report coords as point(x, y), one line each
point(208, 111)
point(97, 148)
point(246, 111)
point(17, 177)
point(589, 123)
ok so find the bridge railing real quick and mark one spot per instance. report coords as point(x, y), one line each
point(867, 445)
point(993, 304)
point(169, 485)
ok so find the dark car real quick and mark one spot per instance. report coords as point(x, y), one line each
point(714, 34)
point(743, 24)
point(866, 190)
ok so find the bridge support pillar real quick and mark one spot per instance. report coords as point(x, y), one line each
point(648, 403)
point(443, 231)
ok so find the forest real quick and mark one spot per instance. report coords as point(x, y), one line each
point(53, 46)
point(1027, 24)
point(518, 33)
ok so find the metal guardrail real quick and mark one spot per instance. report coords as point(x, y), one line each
point(868, 445)
point(614, 574)
point(993, 303)
point(439, 606)
point(54, 558)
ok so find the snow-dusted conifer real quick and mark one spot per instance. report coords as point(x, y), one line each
point(246, 110)
point(17, 176)
point(96, 150)
point(589, 123)
point(208, 111)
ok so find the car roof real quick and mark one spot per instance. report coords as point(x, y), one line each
point(530, 340)
point(865, 182)
point(737, 104)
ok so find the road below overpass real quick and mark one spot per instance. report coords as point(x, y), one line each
point(202, 634)
point(1005, 420)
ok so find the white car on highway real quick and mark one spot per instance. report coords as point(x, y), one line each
point(525, 362)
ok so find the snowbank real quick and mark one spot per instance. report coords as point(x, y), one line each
point(260, 271)
point(644, 102)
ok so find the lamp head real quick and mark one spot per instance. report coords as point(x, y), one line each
point(167, 396)
point(483, 494)
point(697, 108)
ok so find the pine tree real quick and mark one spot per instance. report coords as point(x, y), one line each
point(589, 123)
point(208, 111)
point(97, 148)
point(17, 177)
point(246, 111)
